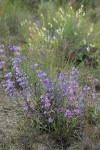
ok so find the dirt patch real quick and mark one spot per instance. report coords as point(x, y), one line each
point(10, 111)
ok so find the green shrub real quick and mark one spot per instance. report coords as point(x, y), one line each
point(63, 35)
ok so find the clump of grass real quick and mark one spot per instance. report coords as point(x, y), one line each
point(12, 14)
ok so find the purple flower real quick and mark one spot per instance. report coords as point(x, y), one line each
point(0, 67)
point(49, 95)
point(48, 112)
point(19, 60)
point(26, 101)
point(88, 88)
point(65, 94)
point(74, 98)
point(14, 92)
point(39, 71)
point(46, 83)
point(18, 54)
point(23, 84)
point(8, 75)
point(63, 85)
point(18, 72)
point(1, 51)
point(2, 62)
point(16, 48)
point(50, 120)
point(14, 64)
point(74, 77)
point(36, 66)
point(74, 83)
point(71, 91)
point(61, 109)
point(47, 103)
point(93, 96)
point(51, 111)
point(41, 75)
point(42, 98)
point(68, 113)
point(20, 79)
point(74, 71)
point(61, 76)
point(28, 107)
point(9, 87)
point(77, 111)
point(82, 93)
point(81, 99)
point(45, 112)
point(32, 108)
point(71, 98)
point(25, 108)
point(12, 48)
point(26, 95)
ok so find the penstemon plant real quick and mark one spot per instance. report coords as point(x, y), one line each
point(14, 81)
point(2, 61)
point(62, 105)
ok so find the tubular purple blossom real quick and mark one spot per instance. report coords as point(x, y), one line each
point(50, 120)
point(77, 111)
point(13, 48)
point(1, 51)
point(47, 103)
point(36, 66)
point(68, 113)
